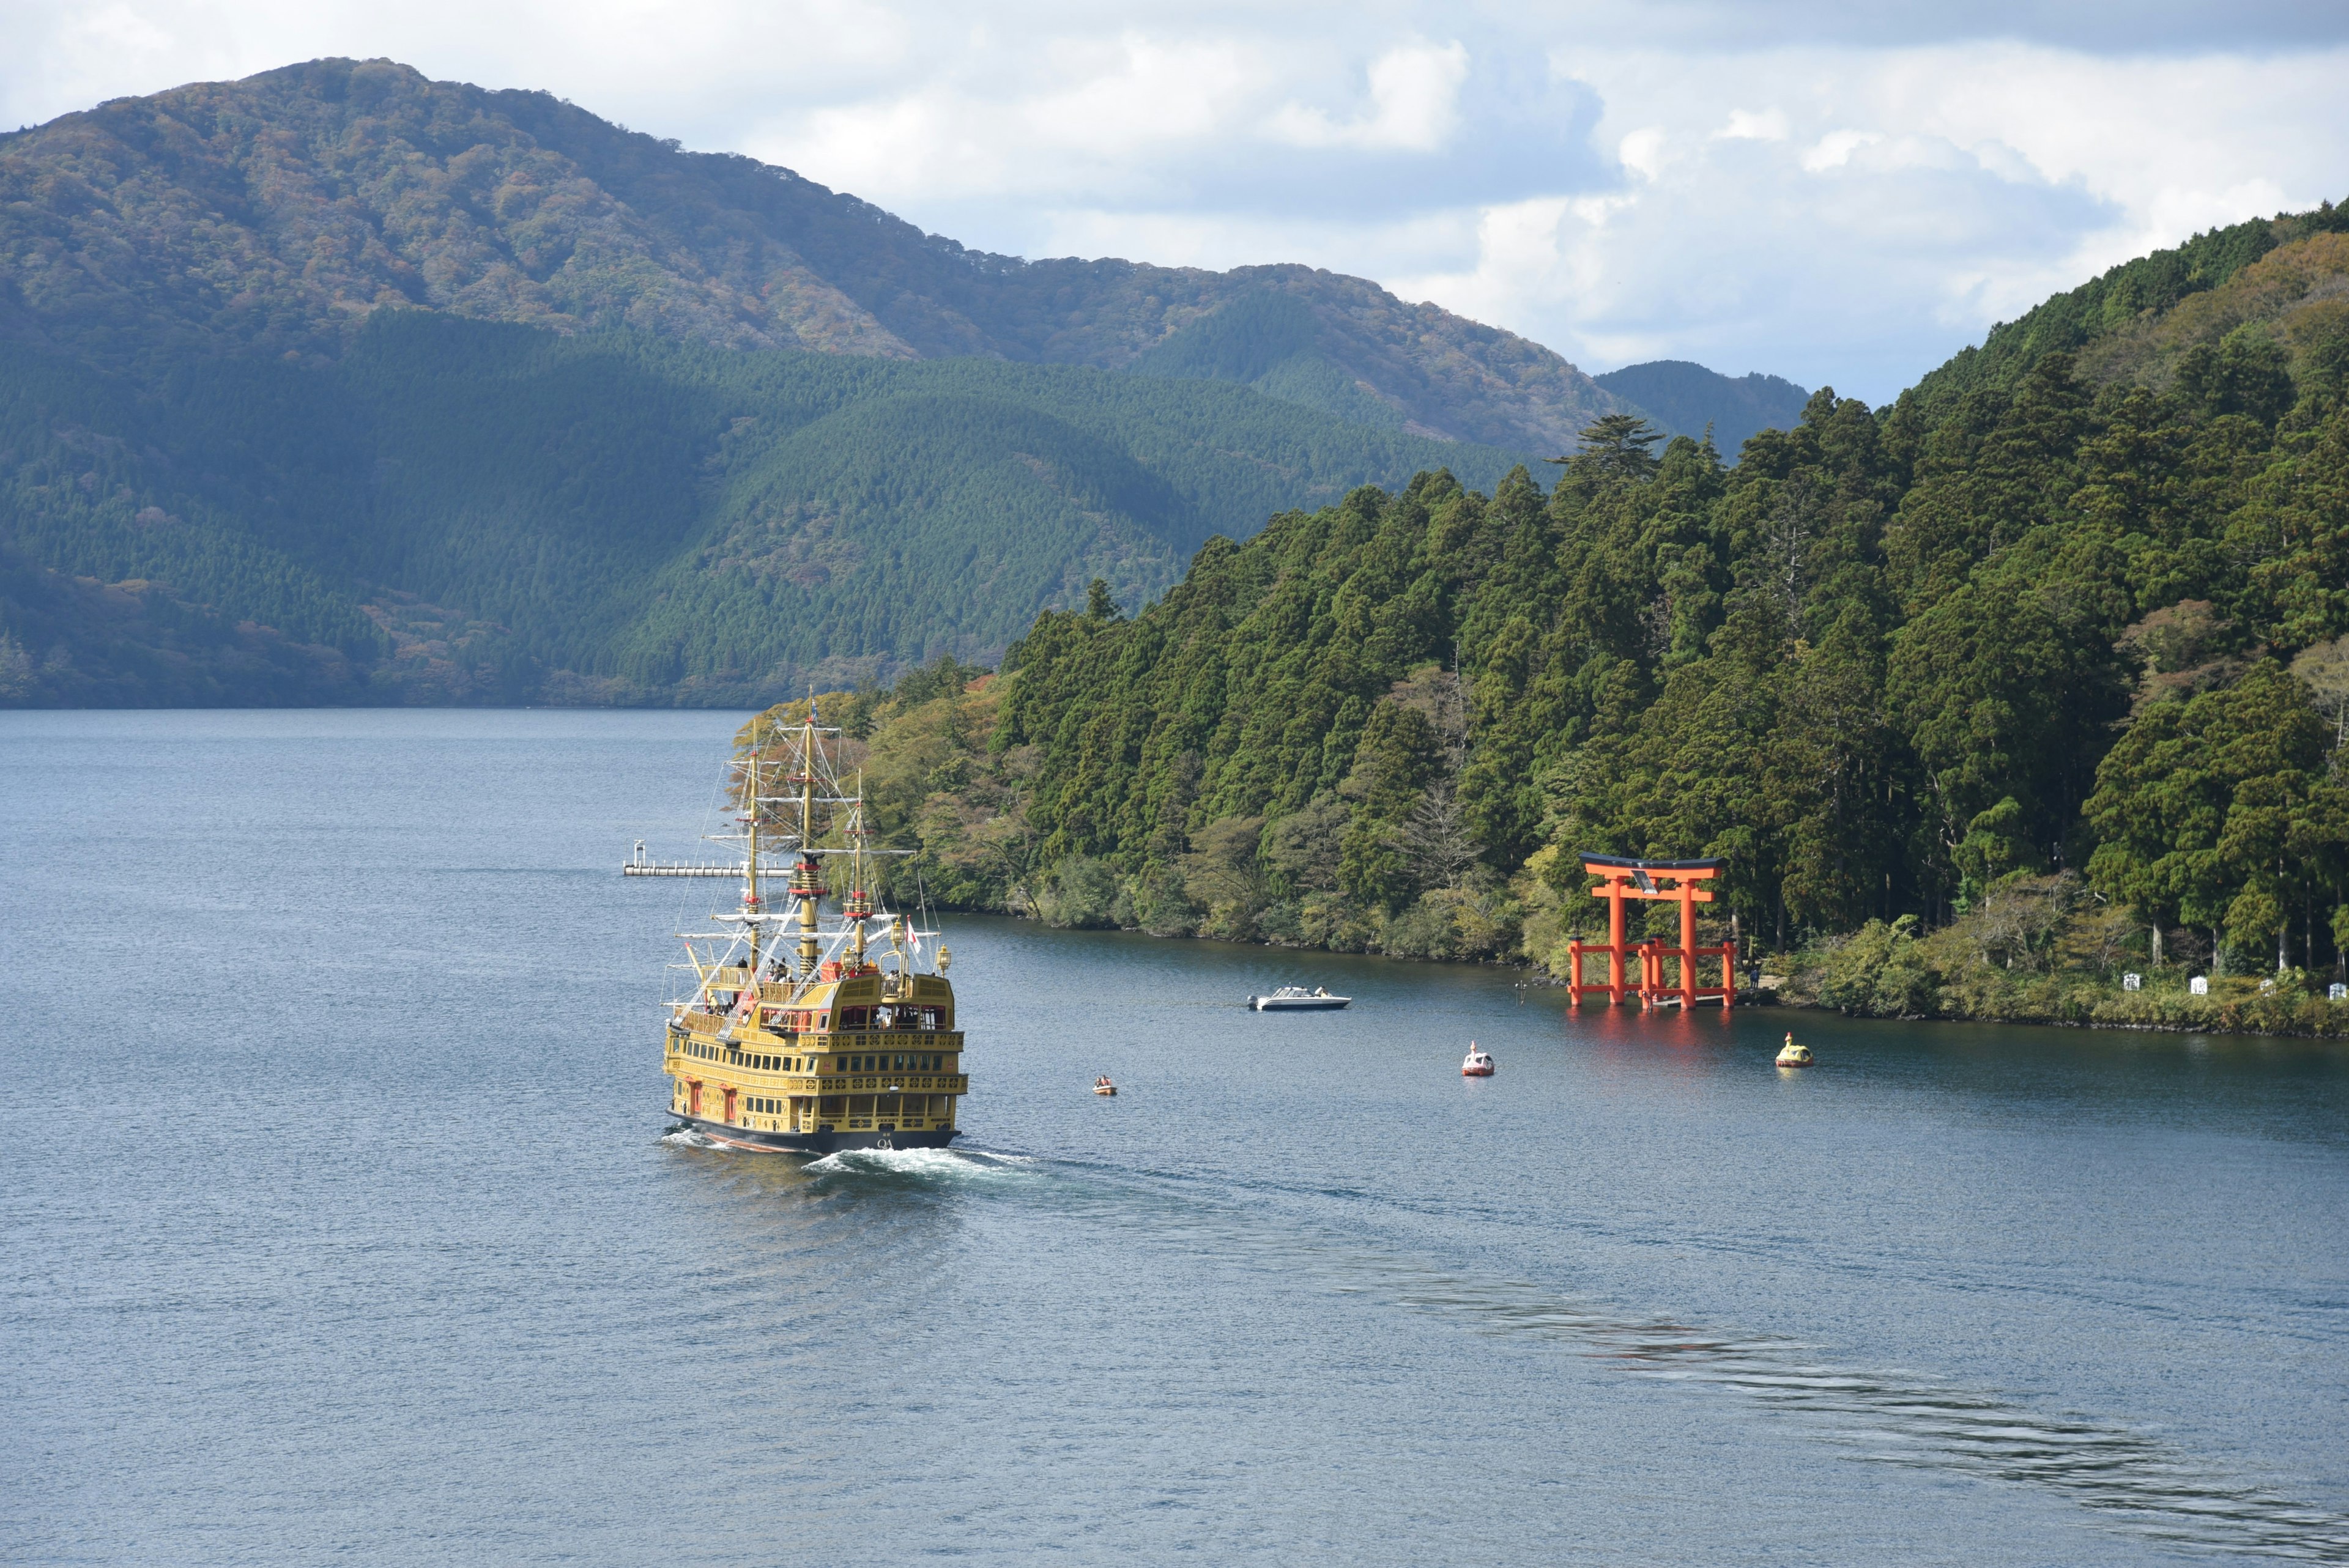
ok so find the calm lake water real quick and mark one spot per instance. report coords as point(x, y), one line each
point(342, 1225)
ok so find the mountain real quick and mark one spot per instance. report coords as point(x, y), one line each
point(1684, 398)
point(342, 385)
point(274, 216)
point(462, 510)
point(2037, 676)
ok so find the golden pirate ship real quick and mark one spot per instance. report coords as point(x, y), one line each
point(800, 1035)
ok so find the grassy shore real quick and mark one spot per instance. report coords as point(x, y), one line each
point(2042, 950)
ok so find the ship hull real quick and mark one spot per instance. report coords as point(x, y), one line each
point(1312, 1005)
point(755, 1142)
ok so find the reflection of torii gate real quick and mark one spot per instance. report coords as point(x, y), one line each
point(1675, 880)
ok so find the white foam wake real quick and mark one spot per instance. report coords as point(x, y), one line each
point(948, 1164)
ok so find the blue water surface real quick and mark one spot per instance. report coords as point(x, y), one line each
point(345, 1225)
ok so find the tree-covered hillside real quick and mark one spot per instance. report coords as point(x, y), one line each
point(463, 511)
point(2128, 324)
point(2029, 678)
point(274, 215)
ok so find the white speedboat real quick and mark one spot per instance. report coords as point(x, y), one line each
point(1297, 998)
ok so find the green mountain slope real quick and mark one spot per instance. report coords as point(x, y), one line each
point(1685, 398)
point(2056, 661)
point(463, 511)
point(274, 215)
point(2154, 298)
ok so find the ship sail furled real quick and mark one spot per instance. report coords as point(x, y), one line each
point(801, 1034)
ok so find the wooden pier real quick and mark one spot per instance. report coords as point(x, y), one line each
point(640, 864)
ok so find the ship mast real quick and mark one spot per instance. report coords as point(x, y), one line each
point(806, 884)
point(858, 906)
point(751, 861)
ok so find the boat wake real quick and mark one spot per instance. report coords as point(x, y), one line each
point(2128, 1480)
point(947, 1164)
point(2131, 1479)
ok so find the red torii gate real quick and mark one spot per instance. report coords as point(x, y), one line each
point(1675, 880)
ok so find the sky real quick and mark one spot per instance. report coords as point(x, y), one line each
point(1836, 192)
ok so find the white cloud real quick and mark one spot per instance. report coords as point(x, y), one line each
point(1917, 196)
point(1849, 199)
point(1747, 125)
point(1415, 91)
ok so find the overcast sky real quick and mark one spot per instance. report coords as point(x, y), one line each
point(1835, 192)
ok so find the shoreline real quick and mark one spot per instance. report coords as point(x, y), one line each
point(2228, 1015)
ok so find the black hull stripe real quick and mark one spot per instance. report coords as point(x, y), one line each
point(757, 1140)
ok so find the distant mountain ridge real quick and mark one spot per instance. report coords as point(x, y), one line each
point(1686, 399)
point(275, 214)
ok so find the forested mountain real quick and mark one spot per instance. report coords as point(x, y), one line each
point(1682, 398)
point(273, 216)
point(463, 511)
point(2040, 673)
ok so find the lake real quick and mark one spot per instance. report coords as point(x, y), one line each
point(344, 1221)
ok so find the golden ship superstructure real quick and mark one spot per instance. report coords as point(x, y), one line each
point(798, 1035)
